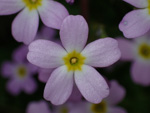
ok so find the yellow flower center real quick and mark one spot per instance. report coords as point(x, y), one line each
point(32, 4)
point(148, 6)
point(99, 108)
point(21, 71)
point(74, 61)
point(64, 110)
point(144, 51)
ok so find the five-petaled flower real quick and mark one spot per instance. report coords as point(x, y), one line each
point(25, 25)
point(74, 61)
point(137, 22)
point(137, 51)
point(20, 73)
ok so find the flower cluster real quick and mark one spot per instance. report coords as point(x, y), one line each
point(67, 62)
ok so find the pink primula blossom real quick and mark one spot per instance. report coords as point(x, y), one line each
point(38, 107)
point(19, 73)
point(108, 105)
point(74, 62)
point(25, 25)
point(137, 22)
point(70, 1)
point(137, 51)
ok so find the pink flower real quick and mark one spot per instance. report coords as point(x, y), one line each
point(74, 61)
point(19, 72)
point(137, 51)
point(70, 1)
point(108, 105)
point(137, 22)
point(25, 25)
point(38, 107)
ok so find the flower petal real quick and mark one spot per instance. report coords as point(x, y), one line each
point(70, 1)
point(25, 26)
point(14, 87)
point(91, 84)
point(59, 86)
point(7, 69)
point(29, 85)
point(10, 6)
point(19, 55)
point(126, 48)
point(135, 23)
point(38, 107)
point(46, 54)
point(44, 74)
point(102, 52)
point(117, 93)
point(116, 110)
point(52, 13)
point(138, 3)
point(141, 73)
point(74, 33)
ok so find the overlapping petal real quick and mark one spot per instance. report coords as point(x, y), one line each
point(44, 74)
point(102, 52)
point(138, 3)
point(38, 107)
point(91, 84)
point(135, 23)
point(117, 93)
point(52, 13)
point(59, 86)
point(141, 73)
point(74, 33)
point(46, 54)
point(10, 6)
point(25, 26)
point(126, 48)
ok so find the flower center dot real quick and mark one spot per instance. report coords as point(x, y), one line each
point(144, 51)
point(21, 72)
point(99, 108)
point(73, 60)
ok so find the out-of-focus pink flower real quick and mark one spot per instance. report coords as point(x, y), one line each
point(25, 25)
point(70, 1)
point(19, 72)
point(75, 62)
point(137, 22)
point(38, 107)
point(137, 51)
point(108, 105)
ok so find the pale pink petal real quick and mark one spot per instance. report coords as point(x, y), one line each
point(29, 86)
point(14, 87)
point(59, 86)
point(52, 13)
point(46, 54)
point(10, 6)
point(141, 73)
point(135, 23)
point(117, 93)
point(91, 84)
point(25, 26)
point(116, 110)
point(74, 33)
point(38, 107)
point(44, 74)
point(138, 3)
point(126, 48)
point(102, 52)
